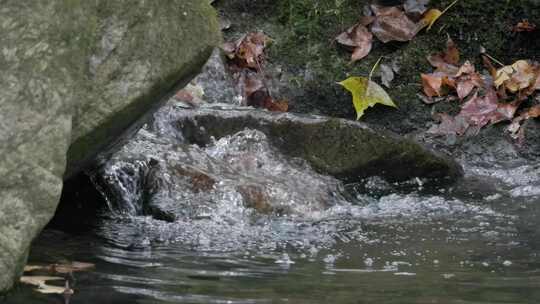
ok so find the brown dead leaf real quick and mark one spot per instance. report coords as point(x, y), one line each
point(392, 24)
point(467, 79)
point(248, 51)
point(448, 60)
point(524, 26)
point(432, 84)
point(359, 38)
point(451, 55)
point(480, 111)
point(279, 106)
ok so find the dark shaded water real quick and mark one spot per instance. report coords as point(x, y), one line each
point(475, 242)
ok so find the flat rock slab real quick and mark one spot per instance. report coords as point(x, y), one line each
point(346, 149)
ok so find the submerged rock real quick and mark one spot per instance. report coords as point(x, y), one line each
point(345, 149)
point(190, 161)
point(75, 75)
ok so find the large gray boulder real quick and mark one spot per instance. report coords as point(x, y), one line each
point(75, 75)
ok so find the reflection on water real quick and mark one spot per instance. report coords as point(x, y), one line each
point(474, 242)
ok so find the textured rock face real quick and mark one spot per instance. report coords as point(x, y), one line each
point(75, 75)
point(345, 149)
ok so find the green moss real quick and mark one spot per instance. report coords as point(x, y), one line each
point(303, 33)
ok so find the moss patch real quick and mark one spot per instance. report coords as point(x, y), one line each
point(303, 33)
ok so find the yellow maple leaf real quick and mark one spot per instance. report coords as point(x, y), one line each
point(366, 93)
point(518, 76)
point(433, 15)
point(430, 17)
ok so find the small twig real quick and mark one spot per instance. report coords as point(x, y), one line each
point(374, 67)
point(494, 59)
point(449, 7)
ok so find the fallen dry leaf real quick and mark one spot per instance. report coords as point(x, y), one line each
point(393, 24)
point(432, 84)
point(476, 113)
point(64, 268)
point(42, 287)
point(359, 38)
point(366, 93)
point(524, 26)
point(518, 76)
point(467, 79)
point(448, 60)
point(248, 51)
point(429, 18)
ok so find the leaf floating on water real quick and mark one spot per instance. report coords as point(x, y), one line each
point(38, 280)
point(41, 283)
point(73, 267)
point(30, 268)
point(366, 93)
point(64, 268)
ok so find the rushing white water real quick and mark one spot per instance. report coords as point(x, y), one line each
point(240, 193)
point(236, 221)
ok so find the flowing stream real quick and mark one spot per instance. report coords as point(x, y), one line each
point(235, 221)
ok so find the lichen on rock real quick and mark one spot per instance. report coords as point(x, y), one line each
point(75, 75)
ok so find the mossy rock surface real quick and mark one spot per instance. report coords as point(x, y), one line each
point(342, 148)
point(311, 62)
point(75, 75)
